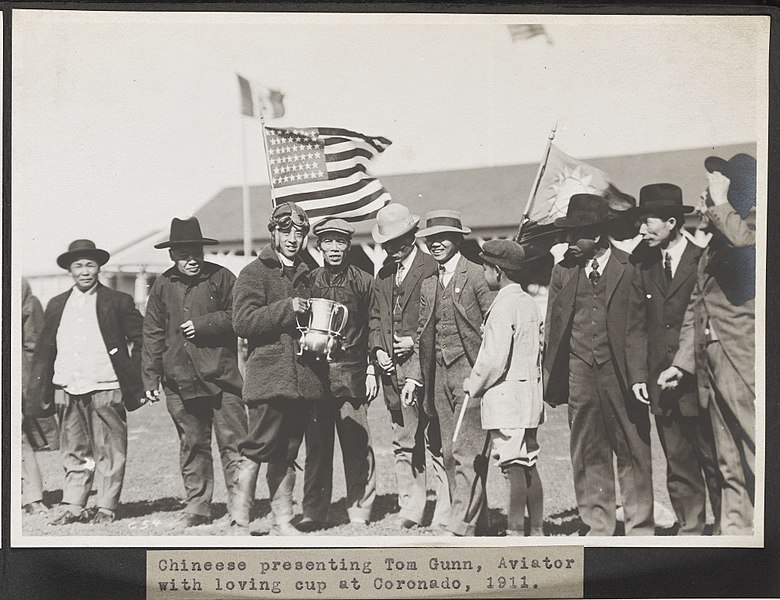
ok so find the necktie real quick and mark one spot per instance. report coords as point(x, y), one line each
point(442, 276)
point(399, 274)
point(594, 273)
point(668, 267)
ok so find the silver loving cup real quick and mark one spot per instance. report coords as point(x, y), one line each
point(322, 336)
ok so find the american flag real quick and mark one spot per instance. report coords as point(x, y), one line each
point(324, 170)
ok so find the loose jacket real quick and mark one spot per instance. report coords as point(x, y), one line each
point(655, 316)
point(121, 325)
point(508, 372)
point(472, 299)
point(263, 314)
point(206, 364)
point(382, 326)
point(560, 314)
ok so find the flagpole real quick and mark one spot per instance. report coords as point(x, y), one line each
point(246, 204)
point(267, 158)
point(537, 180)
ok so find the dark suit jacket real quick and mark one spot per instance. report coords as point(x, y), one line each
point(120, 325)
point(655, 317)
point(713, 302)
point(472, 299)
point(381, 325)
point(560, 313)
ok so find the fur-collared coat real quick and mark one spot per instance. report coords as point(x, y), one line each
point(263, 314)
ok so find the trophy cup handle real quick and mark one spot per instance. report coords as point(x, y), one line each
point(344, 311)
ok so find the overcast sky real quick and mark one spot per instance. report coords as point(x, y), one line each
point(124, 120)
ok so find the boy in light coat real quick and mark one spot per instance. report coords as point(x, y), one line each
point(507, 377)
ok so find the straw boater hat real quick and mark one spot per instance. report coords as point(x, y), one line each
point(442, 221)
point(393, 221)
point(585, 210)
point(82, 249)
point(185, 231)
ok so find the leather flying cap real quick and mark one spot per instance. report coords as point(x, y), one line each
point(505, 254)
point(82, 249)
point(441, 221)
point(333, 225)
point(287, 215)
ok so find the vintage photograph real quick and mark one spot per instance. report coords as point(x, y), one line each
point(387, 279)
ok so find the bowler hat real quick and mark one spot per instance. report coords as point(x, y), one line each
point(585, 210)
point(333, 225)
point(393, 221)
point(82, 249)
point(506, 254)
point(185, 231)
point(661, 199)
point(442, 221)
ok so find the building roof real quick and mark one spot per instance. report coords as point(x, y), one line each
point(491, 199)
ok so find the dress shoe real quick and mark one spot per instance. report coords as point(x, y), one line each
point(193, 520)
point(67, 517)
point(407, 524)
point(35, 508)
point(307, 524)
point(103, 517)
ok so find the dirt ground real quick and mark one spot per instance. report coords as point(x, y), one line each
point(153, 491)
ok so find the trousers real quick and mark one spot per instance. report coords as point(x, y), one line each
point(93, 445)
point(605, 423)
point(194, 419)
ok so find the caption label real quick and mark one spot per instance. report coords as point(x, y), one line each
point(534, 572)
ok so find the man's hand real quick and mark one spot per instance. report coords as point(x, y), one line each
point(372, 388)
point(300, 305)
point(409, 392)
point(402, 346)
point(719, 187)
point(151, 396)
point(384, 361)
point(669, 378)
point(188, 329)
point(640, 392)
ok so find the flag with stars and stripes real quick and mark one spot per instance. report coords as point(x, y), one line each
point(325, 171)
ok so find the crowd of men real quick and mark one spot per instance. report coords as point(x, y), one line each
point(463, 358)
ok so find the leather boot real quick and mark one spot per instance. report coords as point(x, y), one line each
point(243, 492)
point(281, 481)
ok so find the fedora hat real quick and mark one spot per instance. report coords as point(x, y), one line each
point(585, 210)
point(82, 249)
point(441, 221)
point(661, 199)
point(393, 221)
point(185, 231)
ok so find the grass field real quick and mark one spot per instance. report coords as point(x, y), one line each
point(153, 490)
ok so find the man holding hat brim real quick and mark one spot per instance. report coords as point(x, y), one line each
point(352, 386)
point(585, 366)
point(392, 332)
point(664, 277)
point(507, 378)
point(717, 339)
point(453, 304)
point(82, 350)
point(280, 387)
point(191, 349)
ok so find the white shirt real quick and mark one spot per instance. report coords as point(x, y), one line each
point(448, 269)
point(82, 364)
point(287, 262)
point(601, 260)
point(675, 253)
point(404, 266)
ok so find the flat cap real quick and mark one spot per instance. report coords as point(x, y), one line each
point(333, 225)
point(504, 254)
